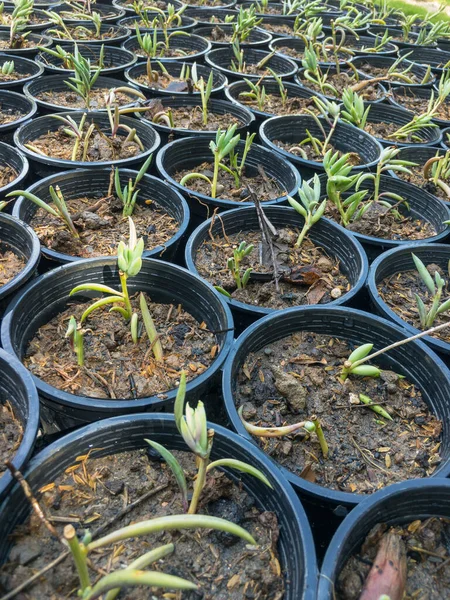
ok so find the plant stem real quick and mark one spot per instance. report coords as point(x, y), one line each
point(199, 485)
point(302, 234)
point(123, 282)
point(78, 556)
point(320, 436)
point(216, 175)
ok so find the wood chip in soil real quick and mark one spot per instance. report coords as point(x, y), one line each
point(14, 76)
point(293, 148)
point(57, 144)
point(296, 377)
point(427, 560)
point(378, 221)
point(7, 175)
point(11, 433)
point(274, 106)
point(416, 178)
point(387, 130)
point(318, 274)
point(9, 115)
point(190, 117)
point(10, 266)
point(264, 187)
point(101, 226)
point(165, 52)
point(343, 80)
point(398, 291)
point(115, 367)
point(420, 105)
point(97, 98)
point(79, 32)
point(94, 490)
point(382, 72)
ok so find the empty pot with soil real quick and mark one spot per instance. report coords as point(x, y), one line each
point(14, 110)
point(292, 369)
point(183, 116)
point(161, 215)
point(277, 101)
point(194, 324)
point(52, 94)
point(19, 418)
point(189, 48)
point(270, 176)
point(172, 79)
point(378, 67)
point(255, 64)
point(285, 135)
point(115, 60)
point(394, 283)
point(339, 80)
point(20, 253)
point(328, 267)
point(403, 530)
point(421, 216)
point(51, 149)
point(14, 169)
point(274, 517)
point(21, 70)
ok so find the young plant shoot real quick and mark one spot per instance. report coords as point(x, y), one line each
point(192, 426)
point(129, 193)
point(309, 206)
point(437, 170)
point(435, 287)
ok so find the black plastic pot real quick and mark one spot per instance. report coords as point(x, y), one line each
point(194, 46)
point(45, 165)
point(17, 388)
point(399, 260)
point(40, 39)
point(174, 69)
point(335, 240)
point(427, 56)
point(94, 184)
point(41, 4)
point(18, 237)
point(445, 140)
point(116, 60)
point(187, 23)
point(203, 15)
point(48, 295)
point(331, 70)
point(379, 30)
point(11, 157)
point(29, 68)
point(293, 129)
point(121, 434)
point(422, 205)
point(109, 13)
point(395, 98)
point(257, 38)
point(443, 44)
point(269, 20)
point(418, 155)
point(328, 17)
point(400, 504)
point(386, 62)
point(219, 107)
point(294, 91)
point(221, 58)
point(57, 83)
point(43, 23)
point(127, 5)
point(119, 35)
point(13, 101)
point(188, 153)
point(414, 360)
point(383, 113)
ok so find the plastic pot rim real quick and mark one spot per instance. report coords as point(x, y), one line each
point(24, 171)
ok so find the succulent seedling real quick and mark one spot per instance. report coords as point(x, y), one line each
point(435, 287)
point(256, 94)
point(7, 68)
point(437, 170)
point(75, 334)
point(129, 193)
point(152, 47)
point(309, 206)
point(245, 22)
point(234, 264)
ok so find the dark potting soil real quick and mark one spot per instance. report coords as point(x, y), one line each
point(18, 44)
point(325, 55)
point(7, 175)
point(206, 3)
point(14, 76)
point(164, 82)
point(264, 187)
point(373, 71)
point(146, 4)
point(97, 98)
point(398, 291)
point(274, 105)
point(249, 69)
point(102, 148)
point(343, 80)
point(115, 367)
point(93, 491)
point(9, 115)
point(10, 266)
point(84, 15)
point(311, 275)
point(33, 19)
point(311, 154)
point(379, 221)
point(386, 131)
point(420, 105)
point(297, 377)
point(274, 28)
point(424, 550)
point(416, 178)
point(80, 32)
point(164, 52)
point(101, 226)
point(11, 433)
point(190, 117)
